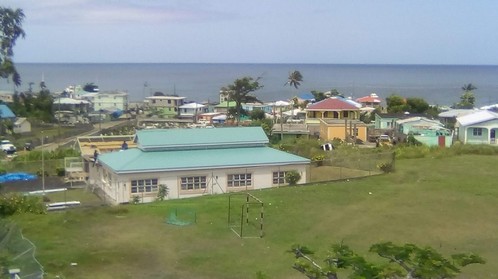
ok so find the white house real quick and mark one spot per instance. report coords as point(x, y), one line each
point(192, 110)
point(477, 128)
point(107, 100)
point(193, 162)
point(22, 125)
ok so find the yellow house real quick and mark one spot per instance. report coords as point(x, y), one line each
point(332, 108)
point(346, 130)
point(336, 117)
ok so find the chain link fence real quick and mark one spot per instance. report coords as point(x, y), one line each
point(17, 252)
point(346, 166)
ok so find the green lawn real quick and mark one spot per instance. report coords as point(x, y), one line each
point(447, 203)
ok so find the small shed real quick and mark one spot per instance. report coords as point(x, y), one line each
point(22, 126)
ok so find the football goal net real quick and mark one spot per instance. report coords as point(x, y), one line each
point(245, 215)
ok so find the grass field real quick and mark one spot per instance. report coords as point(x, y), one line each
point(448, 203)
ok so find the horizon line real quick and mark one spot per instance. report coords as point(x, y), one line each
point(267, 63)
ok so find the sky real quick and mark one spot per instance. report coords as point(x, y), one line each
point(258, 31)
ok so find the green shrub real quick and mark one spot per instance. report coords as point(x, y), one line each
point(292, 177)
point(163, 192)
point(15, 203)
point(60, 171)
point(135, 199)
point(386, 167)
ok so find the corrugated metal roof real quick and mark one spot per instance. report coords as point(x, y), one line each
point(192, 106)
point(175, 139)
point(6, 112)
point(136, 160)
point(456, 112)
point(332, 103)
point(477, 117)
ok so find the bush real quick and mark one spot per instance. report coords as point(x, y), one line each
point(135, 199)
point(17, 204)
point(163, 192)
point(292, 177)
point(386, 167)
point(60, 171)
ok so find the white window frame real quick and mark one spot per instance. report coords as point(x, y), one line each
point(239, 180)
point(477, 132)
point(193, 183)
point(278, 177)
point(149, 185)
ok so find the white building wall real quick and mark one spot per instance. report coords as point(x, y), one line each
point(118, 187)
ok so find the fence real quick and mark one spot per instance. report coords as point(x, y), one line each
point(345, 166)
point(17, 252)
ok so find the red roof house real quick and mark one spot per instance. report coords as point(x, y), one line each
point(371, 100)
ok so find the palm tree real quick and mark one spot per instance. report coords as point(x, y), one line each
point(467, 99)
point(468, 87)
point(295, 78)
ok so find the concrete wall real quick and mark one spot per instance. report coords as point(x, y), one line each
point(118, 187)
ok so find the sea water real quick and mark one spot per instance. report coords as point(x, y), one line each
point(437, 84)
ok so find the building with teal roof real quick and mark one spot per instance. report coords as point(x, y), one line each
point(194, 162)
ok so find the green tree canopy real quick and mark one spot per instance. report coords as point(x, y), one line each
point(395, 103)
point(10, 30)
point(239, 92)
point(416, 105)
point(403, 261)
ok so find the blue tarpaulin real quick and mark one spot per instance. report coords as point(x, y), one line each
point(16, 176)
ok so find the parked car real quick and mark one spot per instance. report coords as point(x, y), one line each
point(7, 147)
point(384, 140)
point(28, 146)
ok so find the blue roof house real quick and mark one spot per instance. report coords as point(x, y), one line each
point(6, 112)
point(194, 162)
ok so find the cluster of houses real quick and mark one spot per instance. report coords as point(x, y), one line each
point(193, 162)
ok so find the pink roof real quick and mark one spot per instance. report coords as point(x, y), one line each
point(372, 98)
point(332, 104)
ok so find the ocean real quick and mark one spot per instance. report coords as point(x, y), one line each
point(437, 84)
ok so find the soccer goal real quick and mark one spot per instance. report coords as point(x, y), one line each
point(245, 215)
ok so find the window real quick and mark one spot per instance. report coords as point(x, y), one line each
point(477, 132)
point(355, 132)
point(345, 114)
point(193, 183)
point(237, 180)
point(169, 101)
point(278, 177)
point(144, 186)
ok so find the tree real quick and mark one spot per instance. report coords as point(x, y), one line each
point(10, 31)
point(404, 261)
point(239, 92)
point(318, 95)
point(467, 99)
point(257, 114)
point(335, 93)
point(295, 78)
point(416, 105)
point(395, 103)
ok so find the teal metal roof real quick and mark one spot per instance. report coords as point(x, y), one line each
point(189, 139)
point(138, 161)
